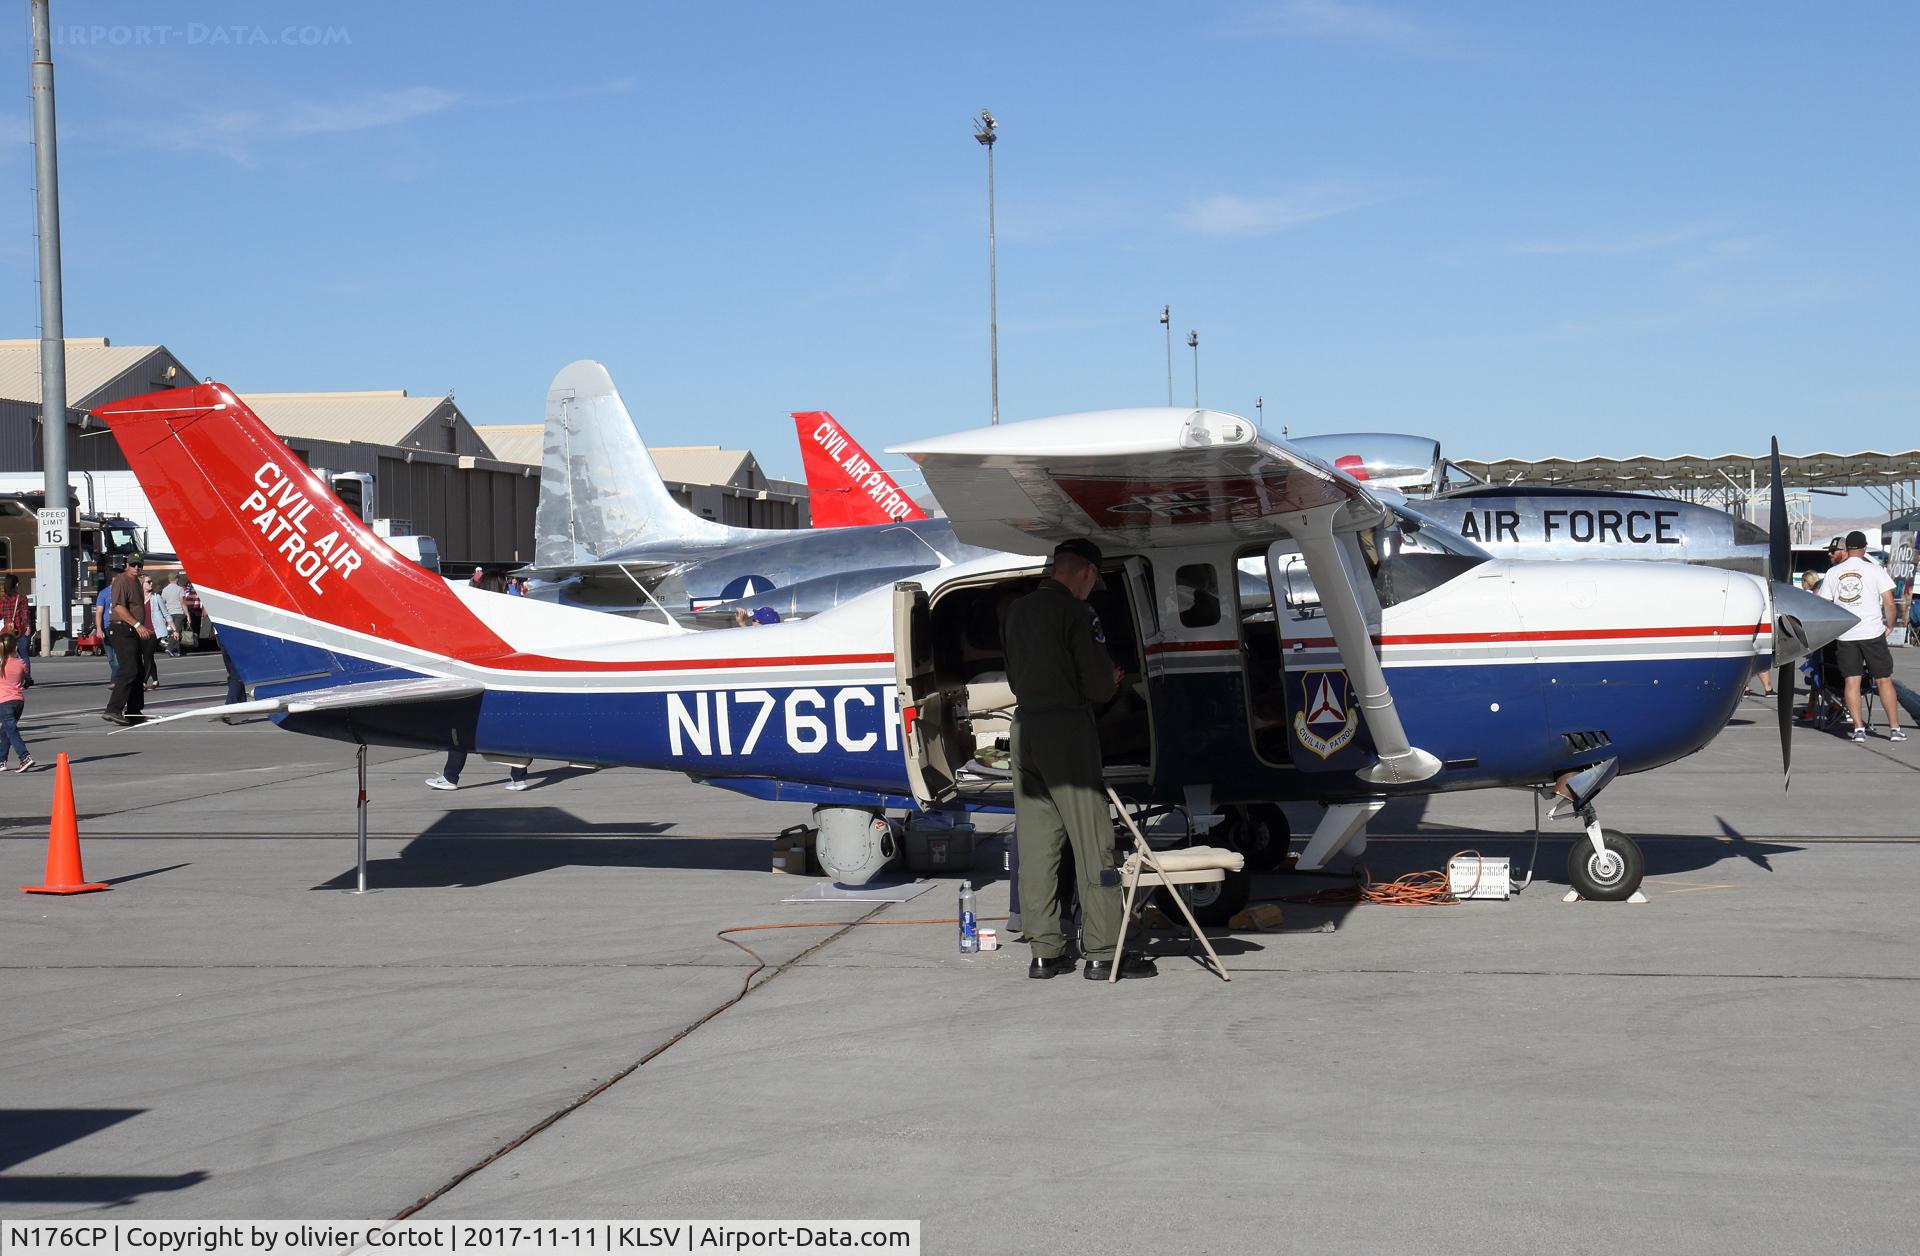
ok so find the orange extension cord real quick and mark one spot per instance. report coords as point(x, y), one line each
point(1416, 889)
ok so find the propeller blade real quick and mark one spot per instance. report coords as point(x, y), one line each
point(1780, 570)
point(1783, 696)
point(1779, 543)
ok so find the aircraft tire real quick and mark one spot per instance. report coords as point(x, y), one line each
point(1261, 833)
point(1606, 884)
point(1214, 903)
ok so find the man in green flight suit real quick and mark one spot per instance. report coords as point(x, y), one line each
point(1059, 672)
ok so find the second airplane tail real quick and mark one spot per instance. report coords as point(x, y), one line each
point(845, 487)
point(599, 488)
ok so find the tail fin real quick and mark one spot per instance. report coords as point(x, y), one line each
point(844, 484)
point(599, 489)
point(252, 521)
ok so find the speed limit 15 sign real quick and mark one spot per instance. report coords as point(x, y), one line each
point(53, 526)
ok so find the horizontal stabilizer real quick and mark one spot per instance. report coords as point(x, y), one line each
point(340, 698)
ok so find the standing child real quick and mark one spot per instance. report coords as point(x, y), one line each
point(158, 620)
point(16, 617)
point(13, 697)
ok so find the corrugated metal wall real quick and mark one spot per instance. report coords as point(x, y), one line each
point(740, 507)
point(479, 513)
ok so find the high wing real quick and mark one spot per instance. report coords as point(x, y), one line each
point(1129, 479)
point(1162, 477)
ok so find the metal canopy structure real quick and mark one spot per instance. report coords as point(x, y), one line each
point(1730, 480)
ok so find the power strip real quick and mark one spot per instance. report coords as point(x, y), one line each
point(1476, 876)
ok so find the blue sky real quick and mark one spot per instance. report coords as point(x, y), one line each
point(1524, 228)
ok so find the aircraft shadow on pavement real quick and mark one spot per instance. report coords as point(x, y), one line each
point(138, 876)
point(474, 848)
point(99, 758)
point(29, 1132)
point(1666, 853)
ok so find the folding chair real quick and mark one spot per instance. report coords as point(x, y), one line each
point(1192, 865)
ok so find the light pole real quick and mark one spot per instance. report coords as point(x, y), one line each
point(1259, 412)
point(1193, 343)
point(52, 572)
point(986, 130)
point(1166, 321)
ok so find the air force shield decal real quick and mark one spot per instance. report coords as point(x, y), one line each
point(1325, 721)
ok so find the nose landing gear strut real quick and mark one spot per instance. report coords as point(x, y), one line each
point(1608, 867)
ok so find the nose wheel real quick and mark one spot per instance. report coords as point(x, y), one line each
point(1608, 866)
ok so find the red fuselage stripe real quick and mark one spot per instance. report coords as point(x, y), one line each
point(1468, 638)
point(542, 663)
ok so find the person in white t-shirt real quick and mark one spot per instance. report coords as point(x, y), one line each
point(1863, 587)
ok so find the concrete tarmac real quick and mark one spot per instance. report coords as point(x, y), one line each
point(228, 1034)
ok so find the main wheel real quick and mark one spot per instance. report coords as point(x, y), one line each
point(1261, 833)
point(1213, 903)
point(1606, 880)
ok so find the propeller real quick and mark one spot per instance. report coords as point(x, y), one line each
point(1779, 571)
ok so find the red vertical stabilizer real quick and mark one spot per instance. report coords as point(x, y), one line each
point(253, 521)
point(846, 487)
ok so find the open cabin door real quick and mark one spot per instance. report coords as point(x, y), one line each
point(925, 723)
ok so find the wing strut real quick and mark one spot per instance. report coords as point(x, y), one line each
point(1400, 763)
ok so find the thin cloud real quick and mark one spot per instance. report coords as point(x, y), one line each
point(378, 110)
point(1228, 214)
point(241, 135)
point(1339, 21)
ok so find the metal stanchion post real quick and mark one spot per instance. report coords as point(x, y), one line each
point(360, 809)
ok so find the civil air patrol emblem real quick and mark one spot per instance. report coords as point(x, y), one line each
point(1326, 721)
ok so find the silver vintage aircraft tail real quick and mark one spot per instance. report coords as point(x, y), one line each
point(599, 489)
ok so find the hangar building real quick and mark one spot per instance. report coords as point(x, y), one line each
point(431, 467)
point(725, 485)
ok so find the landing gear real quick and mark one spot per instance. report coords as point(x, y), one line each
point(1214, 903)
point(1606, 865)
point(1260, 832)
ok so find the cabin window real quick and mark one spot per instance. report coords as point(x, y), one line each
point(1197, 591)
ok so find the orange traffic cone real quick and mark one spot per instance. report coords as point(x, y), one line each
point(63, 841)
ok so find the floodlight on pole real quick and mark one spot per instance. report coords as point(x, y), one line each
point(1166, 321)
point(986, 130)
point(1193, 343)
point(1259, 411)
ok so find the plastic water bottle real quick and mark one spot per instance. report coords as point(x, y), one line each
point(969, 926)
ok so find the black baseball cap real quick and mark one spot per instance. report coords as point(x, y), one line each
point(1079, 547)
point(1836, 543)
point(1856, 539)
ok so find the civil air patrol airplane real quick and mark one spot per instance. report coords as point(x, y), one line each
point(1419, 665)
